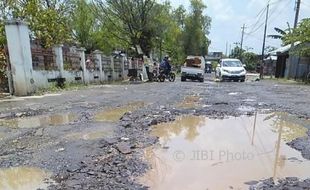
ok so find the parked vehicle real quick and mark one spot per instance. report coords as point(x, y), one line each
point(230, 70)
point(208, 68)
point(194, 69)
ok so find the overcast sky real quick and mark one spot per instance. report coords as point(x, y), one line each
point(228, 16)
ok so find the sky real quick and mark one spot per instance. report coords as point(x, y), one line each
point(228, 16)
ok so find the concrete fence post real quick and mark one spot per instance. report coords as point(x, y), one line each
point(81, 51)
point(17, 34)
point(98, 56)
point(59, 59)
point(123, 67)
point(113, 68)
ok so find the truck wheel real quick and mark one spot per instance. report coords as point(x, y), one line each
point(201, 80)
point(243, 80)
point(183, 79)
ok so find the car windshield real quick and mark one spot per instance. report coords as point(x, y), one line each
point(232, 64)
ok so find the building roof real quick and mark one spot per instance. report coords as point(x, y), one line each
point(284, 49)
point(271, 58)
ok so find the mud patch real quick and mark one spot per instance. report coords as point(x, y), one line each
point(114, 114)
point(189, 102)
point(24, 178)
point(203, 153)
point(38, 121)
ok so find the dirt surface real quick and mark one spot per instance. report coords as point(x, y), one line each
point(77, 138)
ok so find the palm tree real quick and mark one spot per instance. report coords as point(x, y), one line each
point(281, 33)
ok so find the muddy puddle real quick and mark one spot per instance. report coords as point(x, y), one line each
point(189, 102)
point(92, 134)
point(201, 153)
point(38, 121)
point(24, 178)
point(114, 114)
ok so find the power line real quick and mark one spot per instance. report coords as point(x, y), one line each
point(258, 20)
point(255, 29)
point(270, 20)
point(281, 11)
point(306, 4)
point(260, 40)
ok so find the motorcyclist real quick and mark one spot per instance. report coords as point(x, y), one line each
point(165, 65)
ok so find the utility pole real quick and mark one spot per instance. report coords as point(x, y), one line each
point(242, 36)
point(264, 44)
point(298, 2)
point(226, 52)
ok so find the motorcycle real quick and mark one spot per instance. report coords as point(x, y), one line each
point(163, 76)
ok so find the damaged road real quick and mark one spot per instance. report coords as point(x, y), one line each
point(100, 137)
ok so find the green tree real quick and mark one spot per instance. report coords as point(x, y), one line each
point(280, 35)
point(197, 27)
point(300, 34)
point(179, 16)
point(250, 59)
point(237, 52)
point(83, 24)
point(48, 19)
point(129, 21)
point(168, 33)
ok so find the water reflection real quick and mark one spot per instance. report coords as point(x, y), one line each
point(114, 114)
point(187, 125)
point(216, 154)
point(24, 178)
point(39, 121)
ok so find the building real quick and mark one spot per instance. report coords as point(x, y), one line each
point(290, 64)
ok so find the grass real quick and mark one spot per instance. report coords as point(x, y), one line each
point(287, 81)
point(74, 86)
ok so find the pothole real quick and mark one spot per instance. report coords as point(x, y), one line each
point(189, 102)
point(39, 121)
point(246, 109)
point(94, 133)
point(203, 153)
point(114, 114)
point(24, 178)
point(234, 93)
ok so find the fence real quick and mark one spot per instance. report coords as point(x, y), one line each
point(35, 67)
point(4, 87)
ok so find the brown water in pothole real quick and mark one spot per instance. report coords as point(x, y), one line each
point(114, 114)
point(93, 133)
point(38, 121)
point(88, 135)
point(202, 153)
point(24, 178)
point(189, 102)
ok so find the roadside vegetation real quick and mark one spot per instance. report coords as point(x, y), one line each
point(151, 28)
